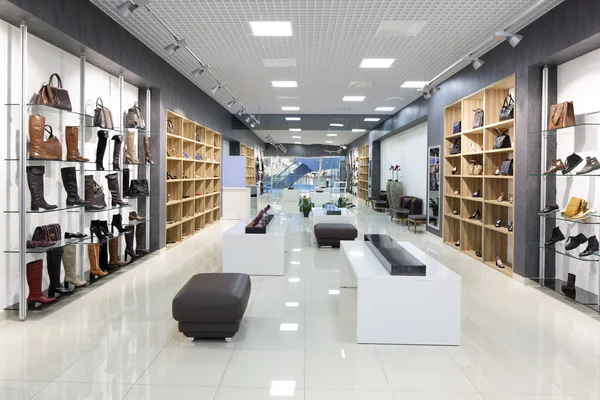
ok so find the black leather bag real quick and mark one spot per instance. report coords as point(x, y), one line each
point(456, 148)
point(139, 187)
point(457, 127)
point(508, 108)
point(47, 233)
point(478, 119)
point(502, 140)
point(507, 167)
point(102, 115)
point(99, 198)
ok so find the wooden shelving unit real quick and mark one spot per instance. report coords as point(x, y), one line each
point(477, 144)
point(363, 172)
point(248, 152)
point(194, 160)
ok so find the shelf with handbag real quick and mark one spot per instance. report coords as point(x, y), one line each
point(126, 131)
point(45, 109)
point(58, 244)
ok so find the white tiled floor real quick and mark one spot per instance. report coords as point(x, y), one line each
point(297, 339)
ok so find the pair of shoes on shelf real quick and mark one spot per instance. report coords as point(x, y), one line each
point(171, 152)
point(557, 165)
point(575, 241)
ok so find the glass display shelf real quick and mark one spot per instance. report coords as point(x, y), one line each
point(593, 219)
point(593, 173)
point(104, 170)
point(137, 197)
point(107, 209)
point(577, 128)
point(571, 254)
point(59, 244)
point(140, 163)
point(52, 161)
point(124, 131)
point(44, 109)
point(42, 211)
point(579, 295)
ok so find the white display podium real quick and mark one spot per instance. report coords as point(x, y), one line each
point(290, 199)
point(319, 216)
point(318, 199)
point(255, 253)
point(236, 203)
point(410, 310)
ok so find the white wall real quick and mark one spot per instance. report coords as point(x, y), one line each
point(578, 81)
point(409, 150)
point(43, 60)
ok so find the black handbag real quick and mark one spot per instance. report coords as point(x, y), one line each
point(457, 127)
point(478, 119)
point(456, 148)
point(508, 108)
point(502, 140)
point(507, 167)
point(139, 187)
point(99, 195)
point(102, 115)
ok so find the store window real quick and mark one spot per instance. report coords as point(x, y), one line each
point(302, 173)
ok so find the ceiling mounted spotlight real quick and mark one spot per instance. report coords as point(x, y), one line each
point(253, 124)
point(173, 47)
point(476, 62)
point(248, 118)
point(199, 71)
point(216, 88)
point(127, 7)
point(512, 38)
point(241, 111)
point(430, 90)
point(232, 102)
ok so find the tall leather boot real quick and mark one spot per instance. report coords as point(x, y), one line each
point(101, 149)
point(53, 259)
point(34, 281)
point(72, 139)
point(116, 152)
point(115, 190)
point(89, 194)
point(36, 139)
point(130, 155)
point(140, 239)
point(69, 259)
point(94, 256)
point(117, 222)
point(148, 150)
point(35, 181)
point(126, 188)
point(569, 288)
point(69, 178)
point(129, 233)
point(104, 264)
point(113, 249)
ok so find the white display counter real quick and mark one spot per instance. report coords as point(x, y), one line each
point(255, 253)
point(290, 199)
point(410, 310)
point(236, 203)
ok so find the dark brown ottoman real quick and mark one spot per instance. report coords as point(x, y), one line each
point(211, 306)
point(416, 220)
point(331, 234)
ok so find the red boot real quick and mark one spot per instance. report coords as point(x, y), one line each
point(34, 281)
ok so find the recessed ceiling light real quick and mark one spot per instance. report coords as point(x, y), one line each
point(288, 327)
point(296, 137)
point(358, 130)
point(385, 108)
point(377, 62)
point(285, 84)
point(334, 292)
point(297, 142)
point(292, 304)
point(279, 62)
point(353, 98)
point(414, 84)
point(372, 119)
point(271, 28)
point(295, 129)
point(328, 141)
point(332, 134)
point(336, 124)
point(290, 108)
point(360, 84)
point(287, 97)
point(400, 28)
point(292, 118)
point(293, 280)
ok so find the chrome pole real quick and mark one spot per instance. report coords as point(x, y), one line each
point(22, 181)
point(148, 169)
point(81, 144)
point(543, 150)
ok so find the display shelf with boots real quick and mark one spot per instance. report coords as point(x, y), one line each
point(140, 240)
point(69, 259)
point(103, 260)
point(148, 150)
point(129, 237)
point(569, 288)
point(53, 261)
point(35, 181)
point(116, 153)
point(94, 256)
point(101, 149)
point(89, 194)
point(115, 190)
point(35, 271)
point(592, 249)
point(72, 139)
point(117, 222)
point(37, 124)
point(129, 150)
point(113, 248)
point(556, 237)
point(69, 179)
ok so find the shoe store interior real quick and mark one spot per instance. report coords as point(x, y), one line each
point(300, 199)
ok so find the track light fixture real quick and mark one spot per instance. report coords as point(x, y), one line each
point(253, 124)
point(430, 90)
point(248, 118)
point(232, 102)
point(476, 62)
point(512, 38)
point(128, 6)
point(199, 71)
point(173, 47)
point(241, 111)
point(219, 86)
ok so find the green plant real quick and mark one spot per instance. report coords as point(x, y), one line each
point(343, 202)
point(305, 205)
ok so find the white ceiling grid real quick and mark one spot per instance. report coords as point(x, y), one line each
point(330, 38)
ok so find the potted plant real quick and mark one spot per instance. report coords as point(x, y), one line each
point(392, 170)
point(305, 205)
point(343, 202)
point(397, 172)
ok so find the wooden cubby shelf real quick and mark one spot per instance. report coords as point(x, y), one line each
point(194, 160)
point(363, 172)
point(248, 152)
point(481, 234)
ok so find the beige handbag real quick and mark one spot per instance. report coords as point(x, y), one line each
point(475, 168)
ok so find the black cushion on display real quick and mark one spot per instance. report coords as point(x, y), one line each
point(402, 213)
point(396, 259)
point(332, 234)
point(406, 202)
point(419, 217)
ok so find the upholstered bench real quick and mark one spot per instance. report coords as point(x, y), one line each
point(211, 306)
point(416, 220)
point(331, 234)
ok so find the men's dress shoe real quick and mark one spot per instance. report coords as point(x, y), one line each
point(498, 223)
point(510, 226)
point(454, 170)
point(549, 209)
point(572, 161)
point(457, 243)
point(592, 248)
point(477, 193)
point(78, 235)
point(499, 262)
point(478, 253)
point(575, 241)
point(476, 215)
point(591, 164)
point(557, 165)
point(31, 244)
point(556, 237)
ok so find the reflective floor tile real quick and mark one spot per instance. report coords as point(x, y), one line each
point(285, 335)
point(81, 391)
point(314, 394)
point(155, 392)
point(278, 392)
point(264, 369)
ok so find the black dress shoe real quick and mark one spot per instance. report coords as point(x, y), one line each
point(549, 209)
point(592, 248)
point(575, 241)
point(78, 235)
point(572, 161)
point(556, 237)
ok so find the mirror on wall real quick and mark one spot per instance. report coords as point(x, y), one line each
point(433, 188)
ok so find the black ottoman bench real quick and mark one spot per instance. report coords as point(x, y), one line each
point(211, 306)
point(331, 234)
point(416, 220)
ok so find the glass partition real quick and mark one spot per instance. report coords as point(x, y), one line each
point(302, 173)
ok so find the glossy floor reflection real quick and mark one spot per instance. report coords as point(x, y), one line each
point(298, 337)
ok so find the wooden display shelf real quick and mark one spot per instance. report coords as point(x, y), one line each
point(248, 152)
point(363, 171)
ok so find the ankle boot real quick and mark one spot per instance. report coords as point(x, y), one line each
point(35, 181)
point(72, 139)
point(89, 194)
point(129, 242)
point(148, 150)
point(36, 139)
point(556, 237)
point(116, 152)
point(113, 248)
point(94, 254)
point(117, 222)
point(69, 179)
point(593, 247)
point(53, 259)
point(126, 188)
point(115, 190)
point(101, 149)
point(140, 240)
point(34, 281)
point(95, 230)
point(130, 155)
point(569, 288)
point(69, 259)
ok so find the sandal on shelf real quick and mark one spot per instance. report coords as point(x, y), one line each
point(171, 152)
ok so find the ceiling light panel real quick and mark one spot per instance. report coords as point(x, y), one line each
point(287, 97)
point(332, 134)
point(292, 118)
point(328, 141)
point(290, 108)
point(284, 84)
point(377, 62)
point(295, 129)
point(372, 119)
point(414, 84)
point(296, 137)
point(340, 125)
point(353, 98)
point(358, 130)
point(385, 108)
point(400, 28)
point(271, 28)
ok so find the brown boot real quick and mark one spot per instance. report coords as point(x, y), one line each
point(36, 139)
point(72, 134)
point(148, 150)
point(34, 281)
point(94, 255)
point(130, 157)
point(134, 216)
point(90, 200)
point(113, 249)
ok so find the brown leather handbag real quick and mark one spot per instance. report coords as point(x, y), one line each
point(102, 115)
point(562, 115)
point(47, 233)
point(52, 145)
point(54, 96)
